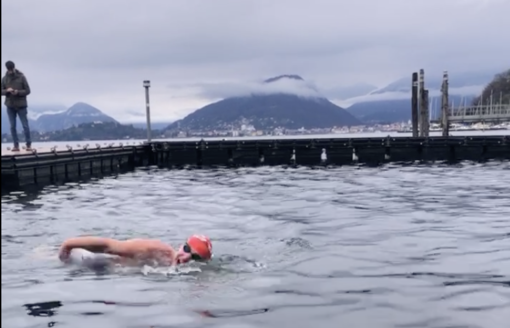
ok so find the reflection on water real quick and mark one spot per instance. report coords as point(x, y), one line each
point(339, 247)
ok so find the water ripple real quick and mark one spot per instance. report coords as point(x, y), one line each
point(394, 246)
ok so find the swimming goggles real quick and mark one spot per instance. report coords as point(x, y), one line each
point(194, 256)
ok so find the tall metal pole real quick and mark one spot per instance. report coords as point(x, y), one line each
point(146, 85)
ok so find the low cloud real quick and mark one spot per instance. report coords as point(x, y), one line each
point(239, 89)
point(462, 91)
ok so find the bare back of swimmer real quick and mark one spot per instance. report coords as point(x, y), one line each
point(140, 251)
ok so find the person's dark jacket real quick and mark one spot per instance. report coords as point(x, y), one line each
point(16, 81)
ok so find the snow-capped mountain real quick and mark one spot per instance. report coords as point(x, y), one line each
point(51, 118)
point(77, 114)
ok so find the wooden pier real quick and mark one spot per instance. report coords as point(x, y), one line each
point(43, 168)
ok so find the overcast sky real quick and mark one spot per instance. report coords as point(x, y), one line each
point(99, 52)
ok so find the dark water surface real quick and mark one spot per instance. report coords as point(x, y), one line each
point(343, 247)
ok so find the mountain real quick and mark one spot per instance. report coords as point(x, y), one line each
point(397, 110)
point(77, 114)
point(47, 118)
point(468, 81)
point(284, 101)
point(35, 111)
point(392, 103)
point(499, 88)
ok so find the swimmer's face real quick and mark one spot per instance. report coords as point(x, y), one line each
point(186, 253)
point(182, 256)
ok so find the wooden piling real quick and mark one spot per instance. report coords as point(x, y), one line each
point(445, 125)
point(414, 104)
point(425, 113)
point(421, 107)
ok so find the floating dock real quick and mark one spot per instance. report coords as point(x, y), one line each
point(336, 151)
point(46, 167)
point(42, 167)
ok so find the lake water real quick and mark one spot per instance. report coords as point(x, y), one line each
point(417, 246)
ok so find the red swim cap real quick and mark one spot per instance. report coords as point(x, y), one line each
point(201, 245)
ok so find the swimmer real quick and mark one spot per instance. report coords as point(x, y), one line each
point(136, 251)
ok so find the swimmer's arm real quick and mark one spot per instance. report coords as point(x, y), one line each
point(91, 244)
point(131, 249)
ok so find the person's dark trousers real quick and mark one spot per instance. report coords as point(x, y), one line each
point(22, 113)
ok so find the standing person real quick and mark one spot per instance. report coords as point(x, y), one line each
point(15, 88)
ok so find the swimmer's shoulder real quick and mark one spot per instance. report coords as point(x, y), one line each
point(145, 244)
point(144, 248)
point(143, 241)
